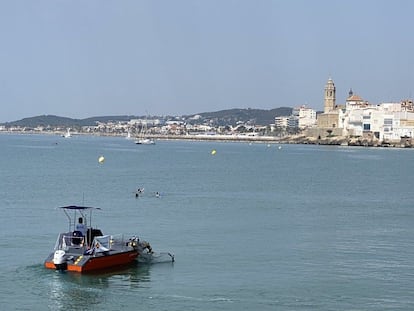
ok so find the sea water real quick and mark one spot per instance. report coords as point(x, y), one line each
point(252, 227)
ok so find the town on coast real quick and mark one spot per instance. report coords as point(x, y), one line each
point(357, 122)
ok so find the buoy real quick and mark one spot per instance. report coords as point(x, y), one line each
point(101, 159)
point(213, 152)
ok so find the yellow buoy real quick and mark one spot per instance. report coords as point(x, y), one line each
point(101, 159)
point(213, 152)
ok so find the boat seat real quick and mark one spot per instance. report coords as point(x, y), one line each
point(91, 234)
point(77, 237)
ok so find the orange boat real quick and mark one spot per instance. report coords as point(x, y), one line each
point(84, 248)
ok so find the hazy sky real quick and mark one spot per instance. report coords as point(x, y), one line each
point(83, 58)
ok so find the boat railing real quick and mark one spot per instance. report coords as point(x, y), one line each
point(68, 240)
point(117, 239)
point(121, 242)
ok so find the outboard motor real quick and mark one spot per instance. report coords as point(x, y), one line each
point(59, 260)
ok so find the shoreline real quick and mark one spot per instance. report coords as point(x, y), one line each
point(293, 139)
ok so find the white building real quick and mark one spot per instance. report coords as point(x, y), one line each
point(306, 117)
point(293, 122)
point(386, 121)
point(281, 121)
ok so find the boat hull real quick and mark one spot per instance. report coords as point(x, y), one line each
point(88, 263)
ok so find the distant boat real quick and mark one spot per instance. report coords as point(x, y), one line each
point(142, 140)
point(67, 134)
point(145, 141)
point(128, 135)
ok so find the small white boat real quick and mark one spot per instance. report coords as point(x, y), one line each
point(142, 139)
point(128, 135)
point(67, 134)
point(145, 141)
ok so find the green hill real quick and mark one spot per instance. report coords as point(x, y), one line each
point(252, 116)
point(56, 121)
point(223, 117)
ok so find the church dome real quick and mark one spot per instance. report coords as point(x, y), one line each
point(354, 98)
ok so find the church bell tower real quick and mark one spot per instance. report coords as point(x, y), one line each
point(330, 97)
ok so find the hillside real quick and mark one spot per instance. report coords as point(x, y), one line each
point(253, 116)
point(57, 121)
point(223, 117)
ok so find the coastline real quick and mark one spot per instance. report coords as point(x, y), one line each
point(292, 139)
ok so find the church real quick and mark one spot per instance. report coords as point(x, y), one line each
point(335, 118)
point(330, 118)
point(358, 119)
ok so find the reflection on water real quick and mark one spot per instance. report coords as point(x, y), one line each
point(74, 291)
point(131, 276)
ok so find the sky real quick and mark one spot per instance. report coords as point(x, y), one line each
point(85, 58)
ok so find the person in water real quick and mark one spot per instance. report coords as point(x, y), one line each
point(138, 192)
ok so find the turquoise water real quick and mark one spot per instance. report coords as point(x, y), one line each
point(253, 227)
